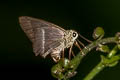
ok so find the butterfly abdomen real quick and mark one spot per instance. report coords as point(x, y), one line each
point(56, 54)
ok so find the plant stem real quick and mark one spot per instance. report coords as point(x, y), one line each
point(113, 52)
point(76, 61)
point(95, 71)
point(105, 62)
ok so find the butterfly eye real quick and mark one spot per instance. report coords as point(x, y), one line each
point(74, 34)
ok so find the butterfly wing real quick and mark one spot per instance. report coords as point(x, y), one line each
point(44, 35)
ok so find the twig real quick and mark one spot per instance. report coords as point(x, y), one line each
point(105, 62)
point(76, 61)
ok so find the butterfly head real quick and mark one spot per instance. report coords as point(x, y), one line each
point(71, 36)
point(74, 34)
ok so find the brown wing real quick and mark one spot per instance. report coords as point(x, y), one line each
point(45, 36)
point(27, 27)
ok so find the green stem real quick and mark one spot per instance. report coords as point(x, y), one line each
point(113, 52)
point(95, 71)
point(76, 61)
point(105, 62)
point(72, 66)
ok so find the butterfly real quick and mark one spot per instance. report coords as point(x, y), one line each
point(48, 38)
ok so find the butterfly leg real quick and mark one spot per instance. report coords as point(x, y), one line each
point(70, 51)
point(80, 43)
point(76, 43)
point(73, 54)
point(63, 54)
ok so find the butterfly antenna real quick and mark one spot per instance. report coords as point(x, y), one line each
point(84, 38)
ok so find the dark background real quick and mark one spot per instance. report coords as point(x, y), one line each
point(16, 56)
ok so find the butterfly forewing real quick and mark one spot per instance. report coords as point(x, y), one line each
point(27, 27)
point(45, 36)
